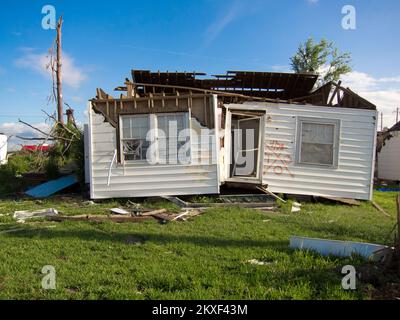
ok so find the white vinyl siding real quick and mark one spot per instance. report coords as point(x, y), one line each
point(353, 175)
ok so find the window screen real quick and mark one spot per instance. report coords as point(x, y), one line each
point(134, 132)
point(318, 143)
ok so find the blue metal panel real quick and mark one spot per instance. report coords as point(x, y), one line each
point(51, 187)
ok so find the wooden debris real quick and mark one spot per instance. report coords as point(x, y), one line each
point(180, 216)
point(98, 218)
point(380, 209)
point(266, 208)
point(23, 215)
point(152, 213)
point(270, 193)
point(176, 200)
point(161, 214)
point(251, 205)
point(350, 202)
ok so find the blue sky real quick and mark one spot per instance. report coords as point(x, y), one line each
point(104, 40)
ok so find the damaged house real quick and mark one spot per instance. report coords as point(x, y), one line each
point(178, 133)
point(388, 148)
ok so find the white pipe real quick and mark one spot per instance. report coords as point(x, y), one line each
point(109, 170)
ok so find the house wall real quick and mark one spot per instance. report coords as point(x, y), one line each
point(353, 176)
point(3, 149)
point(143, 179)
point(388, 159)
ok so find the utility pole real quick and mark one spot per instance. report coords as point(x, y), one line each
point(381, 121)
point(397, 115)
point(58, 73)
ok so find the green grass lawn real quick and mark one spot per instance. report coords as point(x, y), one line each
point(205, 258)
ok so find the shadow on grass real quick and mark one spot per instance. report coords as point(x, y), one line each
point(159, 238)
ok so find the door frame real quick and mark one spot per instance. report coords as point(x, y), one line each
point(228, 142)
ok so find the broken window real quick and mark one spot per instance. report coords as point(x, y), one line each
point(318, 142)
point(134, 132)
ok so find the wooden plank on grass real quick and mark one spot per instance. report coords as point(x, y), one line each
point(152, 213)
point(94, 218)
point(380, 209)
point(350, 202)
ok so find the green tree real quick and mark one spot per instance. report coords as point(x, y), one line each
point(322, 58)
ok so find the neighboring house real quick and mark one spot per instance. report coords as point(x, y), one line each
point(253, 128)
point(3, 148)
point(388, 149)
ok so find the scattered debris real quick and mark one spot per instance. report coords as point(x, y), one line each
point(89, 203)
point(259, 263)
point(176, 200)
point(379, 208)
point(247, 198)
point(152, 213)
point(249, 205)
point(265, 190)
point(119, 215)
point(119, 211)
point(337, 248)
point(181, 216)
point(296, 207)
point(98, 218)
point(23, 215)
point(164, 218)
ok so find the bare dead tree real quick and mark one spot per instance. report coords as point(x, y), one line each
point(47, 134)
point(58, 72)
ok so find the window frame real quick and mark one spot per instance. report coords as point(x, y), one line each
point(121, 135)
point(187, 125)
point(336, 141)
point(153, 124)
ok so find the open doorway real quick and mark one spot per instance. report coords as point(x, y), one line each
point(246, 145)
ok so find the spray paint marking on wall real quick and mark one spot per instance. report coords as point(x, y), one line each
point(277, 161)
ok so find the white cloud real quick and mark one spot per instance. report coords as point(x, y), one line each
point(19, 129)
point(383, 92)
point(312, 1)
point(72, 75)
